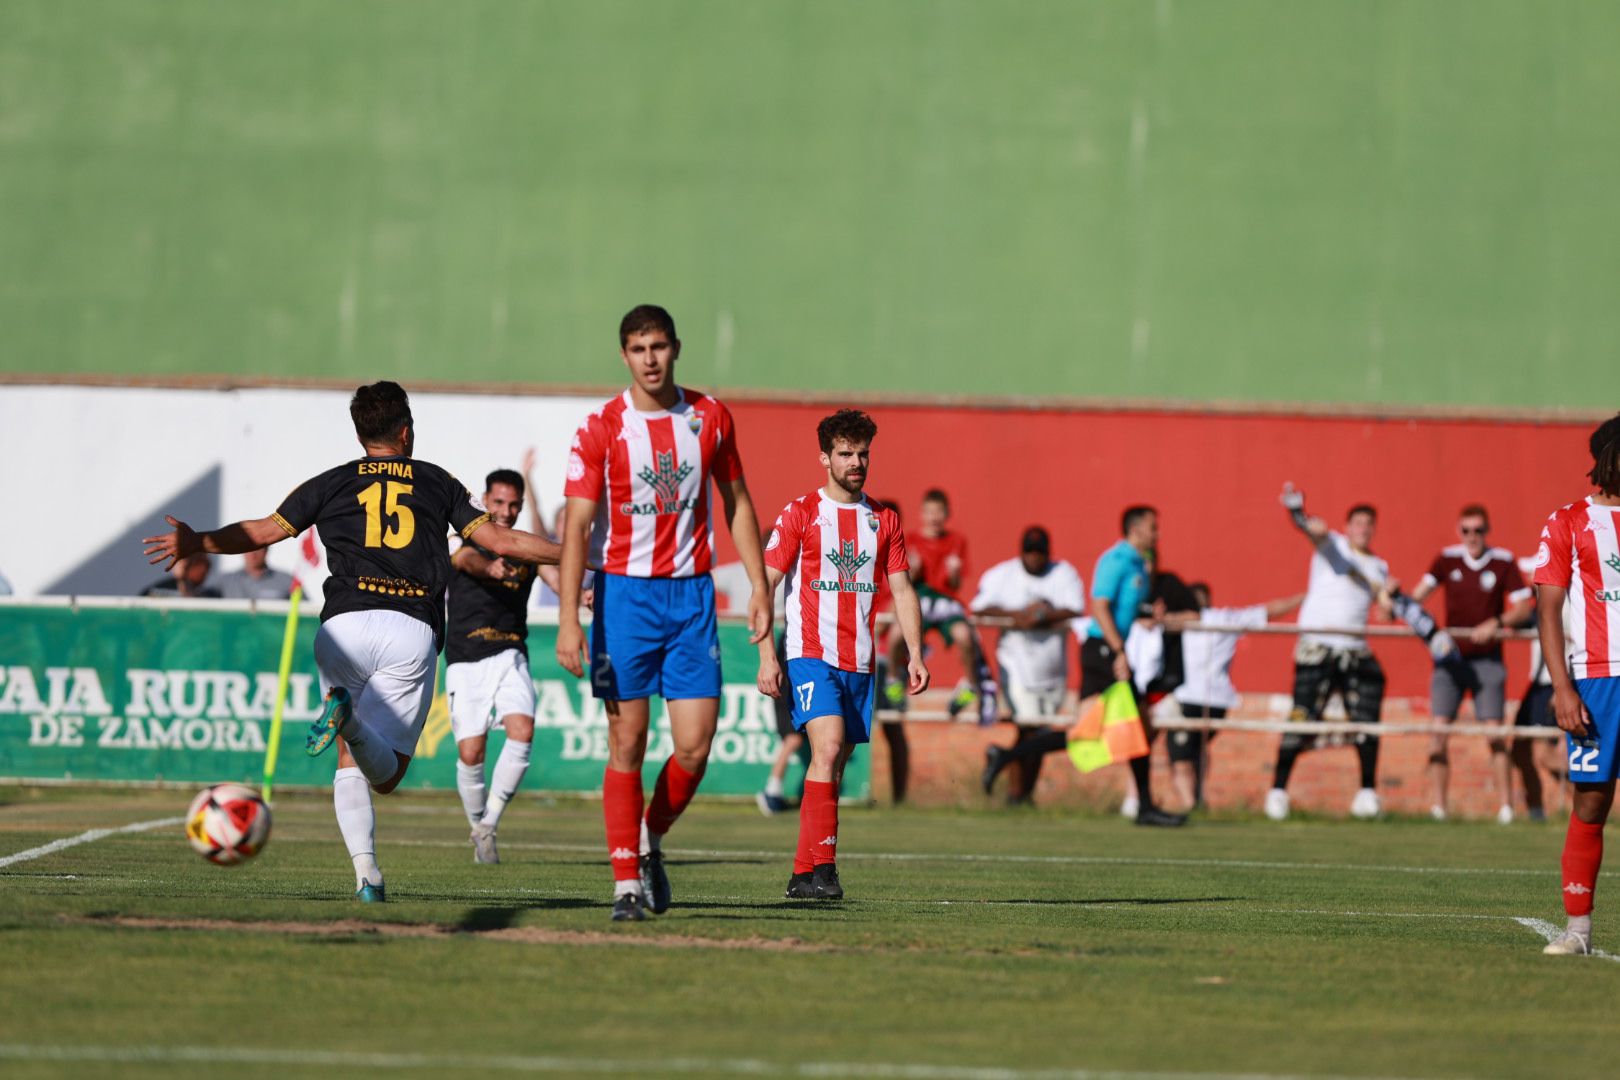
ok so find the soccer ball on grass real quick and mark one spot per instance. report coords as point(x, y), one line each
point(228, 824)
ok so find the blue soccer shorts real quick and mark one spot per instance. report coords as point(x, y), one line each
point(1595, 758)
point(819, 689)
point(654, 636)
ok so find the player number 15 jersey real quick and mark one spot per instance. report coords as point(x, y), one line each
point(831, 555)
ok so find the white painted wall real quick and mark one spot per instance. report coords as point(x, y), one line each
point(84, 464)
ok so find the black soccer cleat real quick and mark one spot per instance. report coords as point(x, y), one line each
point(825, 883)
point(628, 907)
point(801, 887)
point(1152, 815)
point(655, 882)
point(995, 759)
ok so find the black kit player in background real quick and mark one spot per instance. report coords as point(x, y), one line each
point(383, 519)
point(487, 681)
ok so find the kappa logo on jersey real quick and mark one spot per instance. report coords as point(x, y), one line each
point(666, 484)
point(848, 562)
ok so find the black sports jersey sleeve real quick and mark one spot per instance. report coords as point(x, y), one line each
point(487, 617)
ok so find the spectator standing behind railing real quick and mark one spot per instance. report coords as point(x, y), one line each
point(1485, 591)
point(255, 581)
point(1206, 691)
point(188, 577)
point(1040, 595)
point(1344, 577)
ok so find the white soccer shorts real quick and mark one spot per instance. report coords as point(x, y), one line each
point(1032, 708)
point(387, 661)
point(483, 691)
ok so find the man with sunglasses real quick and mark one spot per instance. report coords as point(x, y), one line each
point(1484, 591)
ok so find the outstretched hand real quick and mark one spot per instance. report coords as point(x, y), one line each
point(171, 547)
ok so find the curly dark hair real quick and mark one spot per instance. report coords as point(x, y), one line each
point(1605, 447)
point(849, 424)
point(379, 410)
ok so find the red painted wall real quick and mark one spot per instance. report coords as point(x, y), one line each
point(1215, 479)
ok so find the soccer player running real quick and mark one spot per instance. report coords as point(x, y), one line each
point(1485, 592)
point(638, 500)
point(383, 519)
point(830, 547)
point(1578, 563)
point(487, 678)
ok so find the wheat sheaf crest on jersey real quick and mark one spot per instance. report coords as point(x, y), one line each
point(848, 561)
point(665, 481)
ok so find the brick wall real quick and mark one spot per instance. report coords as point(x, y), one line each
point(946, 760)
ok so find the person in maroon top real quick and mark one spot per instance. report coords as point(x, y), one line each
point(1484, 593)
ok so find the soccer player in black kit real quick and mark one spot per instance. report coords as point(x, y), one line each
point(383, 519)
point(487, 680)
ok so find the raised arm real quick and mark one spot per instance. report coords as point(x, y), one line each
point(743, 524)
point(237, 538)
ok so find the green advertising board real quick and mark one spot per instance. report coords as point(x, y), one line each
point(183, 692)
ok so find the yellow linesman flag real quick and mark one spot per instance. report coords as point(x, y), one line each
point(1109, 731)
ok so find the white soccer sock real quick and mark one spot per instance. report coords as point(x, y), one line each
point(1581, 924)
point(357, 820)
point(773, 786)
point(375, 757)
point(633, 885)
point(650, 842)
point(470, 783)
point(503, 782)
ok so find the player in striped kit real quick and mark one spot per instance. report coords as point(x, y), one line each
point(638, 505)
point(1579, 562)
point(830, 547)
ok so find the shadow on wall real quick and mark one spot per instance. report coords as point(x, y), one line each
point(118, 568)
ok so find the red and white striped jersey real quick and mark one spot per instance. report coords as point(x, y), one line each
point(1580, 551)
point(832, 555)
point(648, 473)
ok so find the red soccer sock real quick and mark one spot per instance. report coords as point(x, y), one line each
point(621, 809)
point(819, 812)
point(1583, 854)
point(671, 795)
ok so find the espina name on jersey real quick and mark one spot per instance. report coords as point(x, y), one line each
point(383, 522)
point(488, 616)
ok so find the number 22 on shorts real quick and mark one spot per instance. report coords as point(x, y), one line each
point(1583, 758)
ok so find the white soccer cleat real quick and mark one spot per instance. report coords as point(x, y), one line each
point(1437, 812)
point(1569, 943)
point(1277, 804)
point(1129, 807)
point(1365, 804)
point(1504, 816)
point(483, 841)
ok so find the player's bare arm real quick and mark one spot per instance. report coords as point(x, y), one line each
point(770, 669)
point(236, 538)
point(908, 615)
point(1568, 708)
point(515, 544)
point(470, 561)
point(576, 539)
point(1283, 605)
point(1104, 618)
point(743, 523)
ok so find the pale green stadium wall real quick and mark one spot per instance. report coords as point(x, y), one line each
point(1345, 200)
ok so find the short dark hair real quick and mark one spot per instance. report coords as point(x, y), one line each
point(379, 411)
point(937, 495)
point(505, 476)
point(1605, 447)
point(1132, 515)
point(644, 318)
point(1362, 508)
point(1475, 510)
point(851, 425)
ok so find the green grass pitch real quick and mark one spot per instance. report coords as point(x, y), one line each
point(974, 945)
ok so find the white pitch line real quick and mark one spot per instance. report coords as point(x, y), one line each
point(1062, 860)
point(1548, 931)
point(349, 1059)
point(85, 838)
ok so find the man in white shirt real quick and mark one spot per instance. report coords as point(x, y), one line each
point(1040, 595)
point(1206, 691)
point(1346, 579)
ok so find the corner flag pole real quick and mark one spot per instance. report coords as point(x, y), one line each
point(273, 746)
